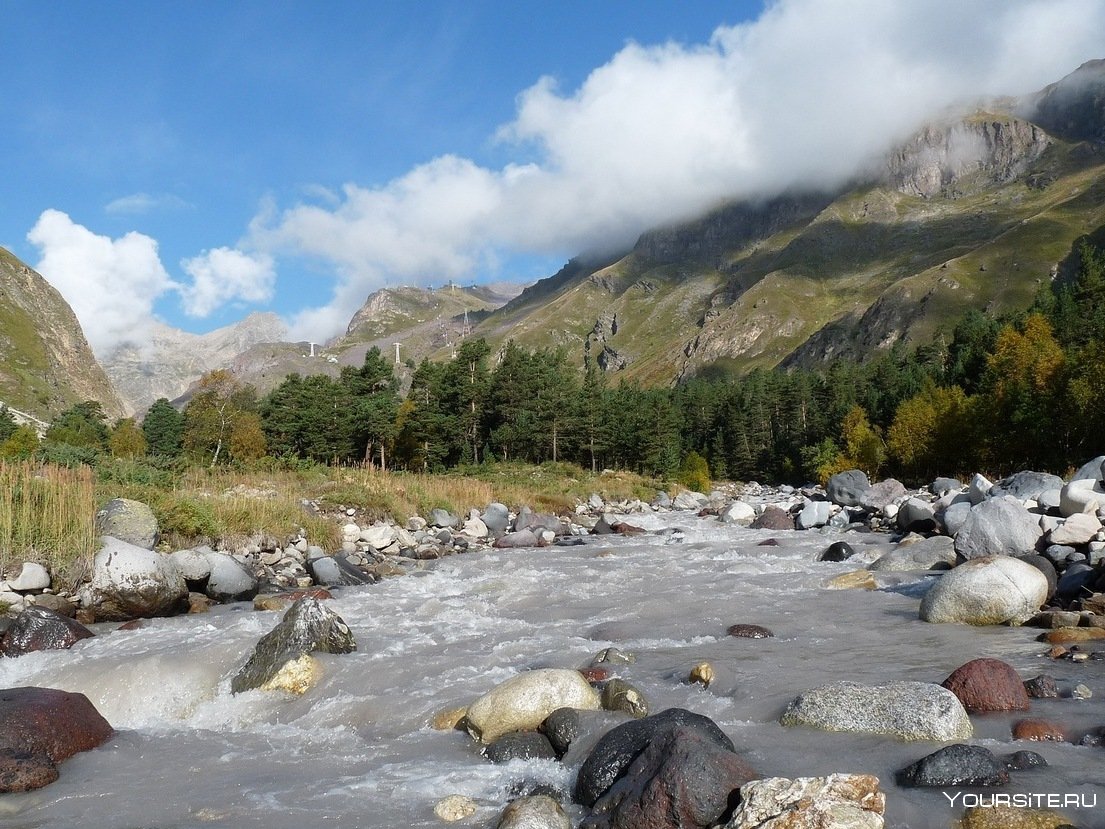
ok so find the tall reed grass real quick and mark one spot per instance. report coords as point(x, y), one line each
point(47, 514)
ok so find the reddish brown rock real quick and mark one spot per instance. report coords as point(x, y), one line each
point(39, 726)
point(39, 629)
point(773, 518)
point(1068, 636)
point(988, 685)
point(743, 631)
point(595, 674)
point(1040, 731)
point(622, 528)
point(22, 771)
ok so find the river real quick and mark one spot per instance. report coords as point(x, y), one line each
point(357, 750)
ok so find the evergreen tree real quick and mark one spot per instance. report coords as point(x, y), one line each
point(7, 423)
point(373, 405)
point(163, 429)
point(83, 425)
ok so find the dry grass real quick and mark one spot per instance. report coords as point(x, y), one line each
point(47, 514)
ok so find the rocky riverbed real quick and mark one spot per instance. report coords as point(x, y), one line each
point(853, 652)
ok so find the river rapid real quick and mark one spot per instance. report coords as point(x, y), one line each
point(358, 751)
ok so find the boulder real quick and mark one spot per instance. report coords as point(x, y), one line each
point(813, 514)
point(337, 571)
point(1081, 495)
point(443, 518)
point(527, 519)
point(773, 518)
point(32, 577)
point(455, 807)
point(1093, 469)
point(882, 494)
point(846, 489)
point(905, 710)
point(522, 702)
point(838, 801)
point(837, 551)
point(747, 631)
point(988, 685)
point(998, 526)
point(229, 580)
point(619, 695)
point(944, 486)
point(620, 746)
point(521, 538)
point(1077, 581)
point(130, 582)
point(562, 726)
point(537, 811)
point(738, 512)
point(39, 629)
point(689, 501)
point(1026, 486)
point(379, 536)
point(1021, 760)
point(681, 780)
point(520, 745)
point(1040, 731)
point(1047, 568)
point(916, 516)
point(996, 590)
point(474, 528)
point(955, 765)
point(935, 553)
point(194, 566)
point(1041, 687)
point(955, 516)
point(129, 521)
point(1079, 528)
point(979, 489)
point(40, 727)
point(308, 627)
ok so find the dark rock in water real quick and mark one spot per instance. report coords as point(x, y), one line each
point(619, 695)
point(307, 627)
point(521, 538)
point(602, 527)
point(620, 746)
point(520, 745)
point(769, 542)
point(336, 571)
point(561, 727)
point(24, 771)
point(955, 765)
point(569, 541)
point(743, 631)
point(43, 726)
point(773, 518)
point(1026, 485)
point(1045, 567)
point(1021, 760)
point(837, 551)
point(1094, 738)
point(623, 528)
point(613, 656)
point(988, 685)
point(681, 780)
point(942, 486)
point(1041, 687)
point(846, 489)
point(39, 629)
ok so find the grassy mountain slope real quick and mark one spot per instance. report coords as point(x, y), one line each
point(46, 365)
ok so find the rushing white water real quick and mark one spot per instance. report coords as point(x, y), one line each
point(357, 750)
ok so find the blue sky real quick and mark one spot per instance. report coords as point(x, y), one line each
point(195, 161)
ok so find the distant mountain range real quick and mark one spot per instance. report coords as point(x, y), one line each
point(976, 210)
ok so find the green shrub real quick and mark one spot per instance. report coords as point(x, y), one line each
point(694, 473)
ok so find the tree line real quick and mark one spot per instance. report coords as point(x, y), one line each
point(1020, 391)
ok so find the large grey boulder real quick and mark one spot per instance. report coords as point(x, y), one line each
point(979, 488)
point(1027, 486)
point(281, 660)
point(689, 501)
point(905, 710)
point(1093, 469)
point(229, 580)
point(130, 521)
point(916, 515)
point(879, 495)
point(936, 553)
point(522, 702)
point(497, 518)
point(1081, 495)
point(998, 526)
point(848, 488)
point(130, 582)
point(813, 514)
point(32, 578)
point(994, 590)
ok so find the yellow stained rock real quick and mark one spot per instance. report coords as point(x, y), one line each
point(1066, 636)
point(455, 807)
point(702, 673)
point(297, 676)
point(448, 719)
point(857, 579)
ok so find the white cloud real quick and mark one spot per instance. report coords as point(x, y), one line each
point(141, 203)
point(224, 275)
point(111, 284)
point(805, 96)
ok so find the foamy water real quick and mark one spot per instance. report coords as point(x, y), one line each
point(357, 750)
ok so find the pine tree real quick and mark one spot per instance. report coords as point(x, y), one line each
point(163, 429)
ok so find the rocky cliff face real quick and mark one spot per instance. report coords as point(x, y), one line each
point(966, 156)
point(46, 364)
point(174, 359)
point(1073, 108)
